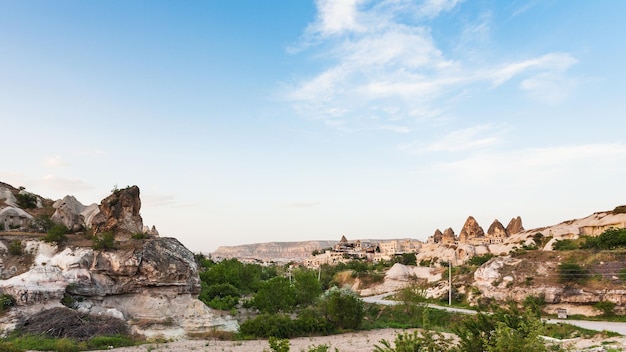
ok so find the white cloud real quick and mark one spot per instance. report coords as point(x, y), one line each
point(549, 88)
point(384, 57)
point(553, 62)
point(54, 162)
point(337, 16)
point(65, 184)
point(477, 137)
point(536, 166)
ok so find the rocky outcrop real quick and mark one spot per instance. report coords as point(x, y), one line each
point(154, 286)
point(437, 236)
point(273, 251)
point(515, 226)
point(119, 214)
point(151, 283)
point(470, 230)
point(68, 212)
point(497, 230)
point(448, 236)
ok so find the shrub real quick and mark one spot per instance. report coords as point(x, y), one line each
point(572, 272)
point(56, 234)
point(268, 325)
point(10, 347)
point(622, 274)
point(606, 307)
point(278, 345)
point(42, 223)
point(564, 245)
point(6, 301)
point(1, 227)
point(424, 341)
point(26, 200)
point(139, 236)
point(342, 309)
point(104, 241)
point(15, 248)
point(479, 260)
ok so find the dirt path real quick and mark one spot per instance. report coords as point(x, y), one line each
point(362, 341)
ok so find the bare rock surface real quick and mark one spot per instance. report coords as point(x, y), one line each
point(119, 214)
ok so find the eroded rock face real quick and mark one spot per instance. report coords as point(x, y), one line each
point(68, 212)
point(153, 285)
point(515, 226)
point(119, 214)
point(497, 230)
point(471, 229)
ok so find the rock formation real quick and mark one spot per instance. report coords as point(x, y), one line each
point(448, 236)
point(119, 213)
point(470, 230)
point(153, 283)
point(497, 232)
point(68, 212)
point(515, 226)
point(437, 236)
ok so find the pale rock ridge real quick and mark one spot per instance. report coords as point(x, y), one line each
point(273, 251)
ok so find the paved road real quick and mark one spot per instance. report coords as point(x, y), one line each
point(617, 327)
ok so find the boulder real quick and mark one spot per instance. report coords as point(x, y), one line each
point(68, 212)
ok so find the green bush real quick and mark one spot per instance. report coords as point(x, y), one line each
point(564, 245)
point(42, 223)
point(15, 248)
point(278, 345)
point(1, 227)
point(104, 241)
point(26, 200)
point(343, 309)
point(572, 272)
point(6, 301)
point(56, 234)
point(424, 341)
point(610, 239)
point(268, 325)
point(506, 329)
point(139, 236)
point(606, 307)
point(479, 260)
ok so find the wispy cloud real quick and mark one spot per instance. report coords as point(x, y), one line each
point(65, 184)
point(533, 166)
point(55, 162)
point(382, 55)
point(467, 139)
point(302, 205)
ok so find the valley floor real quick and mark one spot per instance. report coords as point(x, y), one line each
point(362, 341)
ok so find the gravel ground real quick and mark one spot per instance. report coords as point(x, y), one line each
point(363, 341)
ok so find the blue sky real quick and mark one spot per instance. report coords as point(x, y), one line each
point(280, 120)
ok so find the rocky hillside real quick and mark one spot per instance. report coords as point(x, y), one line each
point(273, 251)
point(148, 281)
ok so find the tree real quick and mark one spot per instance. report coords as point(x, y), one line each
point(275, 295)
point(342, 308)
point(43, 223)
point(307, 288)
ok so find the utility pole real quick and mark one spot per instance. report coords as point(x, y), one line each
point(450, 283)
